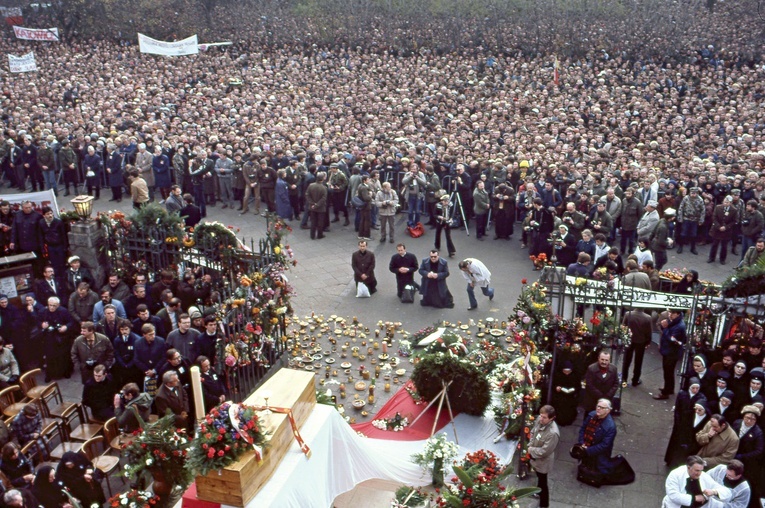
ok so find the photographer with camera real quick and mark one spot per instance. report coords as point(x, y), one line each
point(387, 204)
point(128, 405)
point(91, 349)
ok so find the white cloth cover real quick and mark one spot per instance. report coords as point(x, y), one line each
point(341, 459)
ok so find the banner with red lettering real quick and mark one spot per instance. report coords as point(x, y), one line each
point(36, 34)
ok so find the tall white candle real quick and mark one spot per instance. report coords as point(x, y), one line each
point(196, 388)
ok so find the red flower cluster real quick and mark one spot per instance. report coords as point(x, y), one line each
point(487, 460)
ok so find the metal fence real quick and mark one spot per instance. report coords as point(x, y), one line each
point(224, 259)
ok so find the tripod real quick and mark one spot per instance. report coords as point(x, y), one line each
point(458, 203)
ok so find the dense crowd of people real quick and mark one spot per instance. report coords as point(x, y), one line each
point(616, 145)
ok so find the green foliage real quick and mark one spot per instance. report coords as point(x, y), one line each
point(746, 281)
point(469, 391)
point(408, 496)
point(154, 214)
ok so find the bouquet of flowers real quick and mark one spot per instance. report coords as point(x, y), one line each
point(486, 460)
point(407, 497)
point(133, 498)
point(158, 446)
point(437, 452)
point(404, 348)
point(227, 432)
point(540, 261)
point(473, 487)
point(395, 424)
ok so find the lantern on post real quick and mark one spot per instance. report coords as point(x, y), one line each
point(83, 205)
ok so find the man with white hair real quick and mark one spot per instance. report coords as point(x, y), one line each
point(143, 160)
point(689, 485)
point(649, 220)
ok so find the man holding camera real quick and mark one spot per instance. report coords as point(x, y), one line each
point(91, 349)
point(128, 405)
point(56, 324)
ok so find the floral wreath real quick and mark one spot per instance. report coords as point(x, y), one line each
point(395, 424)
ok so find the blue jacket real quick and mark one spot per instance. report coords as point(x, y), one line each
point(675, 329)
point(124, 352)
point(161, 166)
point(599, 453)
point(150, 356)
point(578, 270)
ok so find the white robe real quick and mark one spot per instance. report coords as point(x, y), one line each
point(739, 494)
point(675, 488)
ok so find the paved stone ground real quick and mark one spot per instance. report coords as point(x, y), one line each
point(323, 279)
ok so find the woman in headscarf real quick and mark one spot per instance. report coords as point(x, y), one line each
point(683, 437)
point(688, 284)
point(80, 477)
point(48, 490)
point(566, 385)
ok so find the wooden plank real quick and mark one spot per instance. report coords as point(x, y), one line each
point(238, 483)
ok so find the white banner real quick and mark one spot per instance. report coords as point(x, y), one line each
point(187, 46)
point(38, 199)
point(36, 34)
point(24, 63)
point(10, 12)
point(207, 45)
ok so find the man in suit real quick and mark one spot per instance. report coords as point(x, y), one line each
point(602, 382)
point(50, 285)
point(724, 220)
point(596, 437)
point(172, 397)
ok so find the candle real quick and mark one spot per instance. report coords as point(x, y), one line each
point(384, 347)
point(196, 387)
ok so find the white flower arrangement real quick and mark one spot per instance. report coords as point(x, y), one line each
point(395, 424)
point(437, 447)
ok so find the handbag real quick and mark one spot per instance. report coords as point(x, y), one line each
point(362, 291)
point(416, 231)
point(90, 174)
point(407, 295)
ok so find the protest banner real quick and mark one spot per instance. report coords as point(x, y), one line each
point(38, 199)
point(186, 46)
point(36, 34)
point(25, 63)
point(207, 45)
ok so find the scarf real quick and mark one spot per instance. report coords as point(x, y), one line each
point(589, 431)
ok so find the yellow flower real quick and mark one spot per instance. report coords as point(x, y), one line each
point(277, 250)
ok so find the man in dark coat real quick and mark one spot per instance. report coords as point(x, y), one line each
point(404, 265)
point(26, 233)
point(172, 397)
point(125, 369)
point(640, 324)
point(114, 172)
point(724, 220)
point(434, 271)
point(316, 203)
point(601, 380)
point(363, 264)
point(670, 346)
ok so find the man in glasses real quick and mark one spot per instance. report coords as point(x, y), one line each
point(434, 271)
point(596, 438)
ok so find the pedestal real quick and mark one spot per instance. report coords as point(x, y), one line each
point(84, 241)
